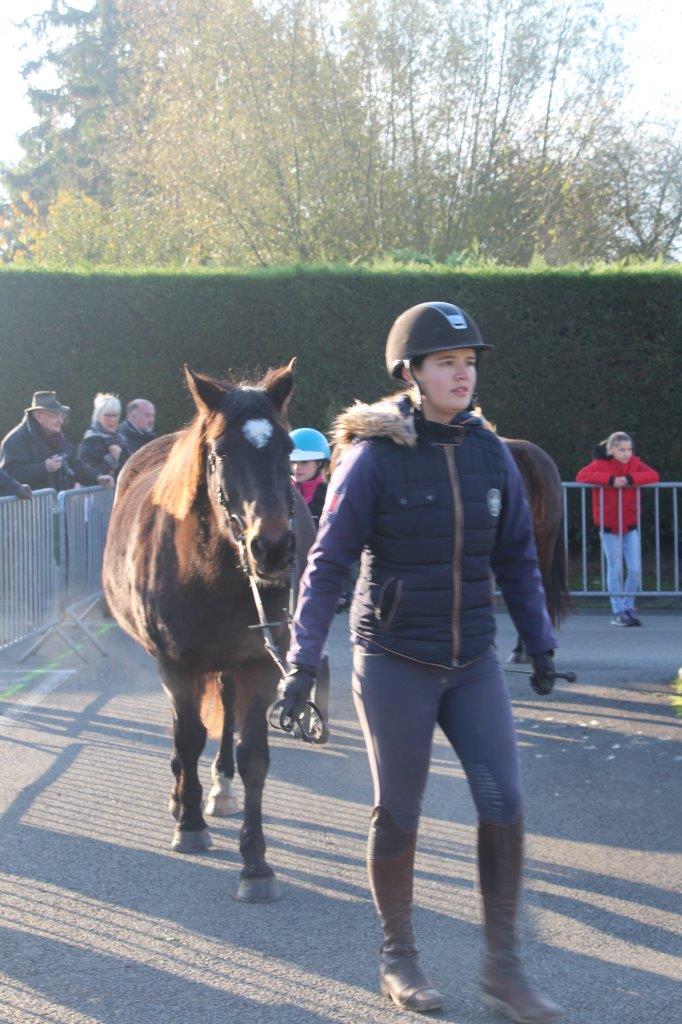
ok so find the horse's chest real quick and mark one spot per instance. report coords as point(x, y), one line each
point(214, 626)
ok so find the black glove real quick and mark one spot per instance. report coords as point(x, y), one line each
point(544, 673)
point(295, 689)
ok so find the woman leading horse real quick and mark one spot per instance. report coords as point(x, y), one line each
point(435, 505)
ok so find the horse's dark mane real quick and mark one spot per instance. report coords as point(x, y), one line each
point(177, 484)
point(180, 477)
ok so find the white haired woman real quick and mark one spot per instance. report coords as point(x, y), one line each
point(100, 449)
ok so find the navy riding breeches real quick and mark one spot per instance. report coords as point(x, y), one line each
point(399, 702)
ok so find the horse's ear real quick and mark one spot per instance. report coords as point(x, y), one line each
point(206, 392)
point(279, 385)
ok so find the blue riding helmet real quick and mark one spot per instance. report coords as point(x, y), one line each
point(309, 445)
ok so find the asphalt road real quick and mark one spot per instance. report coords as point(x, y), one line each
point(101, 922)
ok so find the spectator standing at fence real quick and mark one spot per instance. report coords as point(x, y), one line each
point(38, 453)
point(615, 508)
point(137, 428)
point(102, 445)
point(11, 488)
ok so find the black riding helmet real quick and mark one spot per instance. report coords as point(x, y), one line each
point(430, 327)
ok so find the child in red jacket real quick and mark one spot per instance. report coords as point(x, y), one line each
point(618, 472)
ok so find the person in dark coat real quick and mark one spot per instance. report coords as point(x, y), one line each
point(137, 428)
point(37, 452)
point(11, 488)
point(102, 445)
point(435, 505)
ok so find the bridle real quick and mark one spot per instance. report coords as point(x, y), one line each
point(308, 724)
point(237, 524)
point(238, 530)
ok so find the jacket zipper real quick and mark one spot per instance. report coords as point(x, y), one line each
point(456, 555)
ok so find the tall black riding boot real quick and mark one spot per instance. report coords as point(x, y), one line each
point(390, 863)
point(505, 987)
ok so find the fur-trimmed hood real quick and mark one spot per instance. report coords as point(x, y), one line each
point(394, 418)
point(390, 417)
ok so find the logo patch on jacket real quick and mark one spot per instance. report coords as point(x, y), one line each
point(494, 502)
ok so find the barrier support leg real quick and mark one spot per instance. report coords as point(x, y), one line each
point(78, 620)
point(35, 647)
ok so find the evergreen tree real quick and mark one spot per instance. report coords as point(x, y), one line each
point(67, 149)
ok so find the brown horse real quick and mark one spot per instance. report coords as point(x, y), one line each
point(173, 579)
point(545, 495)
point(542, 482)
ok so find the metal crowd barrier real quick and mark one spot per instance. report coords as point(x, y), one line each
point(51, 550)
point(29, 573)
point(658, 523)
point(84, 515)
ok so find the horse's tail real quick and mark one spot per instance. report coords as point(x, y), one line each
point(543, 488)
point(556, 582)
point(211, 708)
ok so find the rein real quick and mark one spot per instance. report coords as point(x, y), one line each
point(307, 724)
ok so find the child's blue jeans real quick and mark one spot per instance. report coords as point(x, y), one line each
point(617, 548)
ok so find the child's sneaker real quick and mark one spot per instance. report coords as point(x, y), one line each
point(634, 621)
point(621, 619)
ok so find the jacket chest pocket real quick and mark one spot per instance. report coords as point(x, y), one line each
point(409, 511)
point(416, 499)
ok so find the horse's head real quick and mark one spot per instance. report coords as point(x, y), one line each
point(247, 468)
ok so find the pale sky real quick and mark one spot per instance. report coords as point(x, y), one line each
point(652, 51)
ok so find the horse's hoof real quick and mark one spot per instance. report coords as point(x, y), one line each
point(174, 808)
point(191, 842)
point(518, 658)
point(258, 890)
point(222, 806)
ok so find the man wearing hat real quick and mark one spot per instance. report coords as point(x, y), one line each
point(36, 452)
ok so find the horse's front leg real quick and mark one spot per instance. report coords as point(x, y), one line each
point(222, 801)
point(255, 691)
point(191, 834)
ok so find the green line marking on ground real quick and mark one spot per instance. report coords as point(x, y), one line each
point(31, 675)
point(11, 690)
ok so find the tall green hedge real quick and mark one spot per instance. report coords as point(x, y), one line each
point(578, 354)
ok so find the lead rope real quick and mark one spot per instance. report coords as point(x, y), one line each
point(307, 722)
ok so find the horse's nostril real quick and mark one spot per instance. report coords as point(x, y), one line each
point(257, 549)
point(273, 556)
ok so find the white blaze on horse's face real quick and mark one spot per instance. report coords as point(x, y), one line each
point(257, 432)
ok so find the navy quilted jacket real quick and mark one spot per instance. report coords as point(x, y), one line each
point(435, 511)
